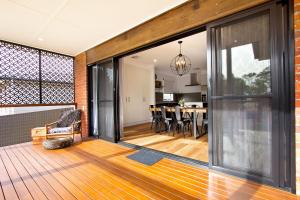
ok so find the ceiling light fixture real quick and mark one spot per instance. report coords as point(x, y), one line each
point(41, 39)
point(181, 64)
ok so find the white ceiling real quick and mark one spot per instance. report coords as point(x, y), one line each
point(194, 47)
point(73, 26)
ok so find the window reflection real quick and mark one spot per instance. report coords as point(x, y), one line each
point(253, 74)
point(244, 73)
point(243, 58)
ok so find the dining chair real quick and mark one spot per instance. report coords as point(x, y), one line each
point(166, 121)
point(179, 122)
point(192, 119)
point(156, 117)
point(204, 124)
point(188, 119)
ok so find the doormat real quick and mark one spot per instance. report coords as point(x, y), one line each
point(146, 157)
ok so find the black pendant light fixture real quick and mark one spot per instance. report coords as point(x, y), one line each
point(181, 64)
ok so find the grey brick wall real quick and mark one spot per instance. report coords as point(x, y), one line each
point(15, 129)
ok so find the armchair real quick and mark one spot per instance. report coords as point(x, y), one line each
point(69, 124)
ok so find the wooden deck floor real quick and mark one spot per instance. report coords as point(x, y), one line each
point(100, 170)
point(188, 146)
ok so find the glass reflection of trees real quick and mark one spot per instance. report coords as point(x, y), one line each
point(257, 83)
point(245, 73)
point(252, 83)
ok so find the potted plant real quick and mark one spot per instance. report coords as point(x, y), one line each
point(181, 102)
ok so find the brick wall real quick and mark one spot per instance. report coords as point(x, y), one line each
point(81, 90)
point(297, 50)
point(297, 88)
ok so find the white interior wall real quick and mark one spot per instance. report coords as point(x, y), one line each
point(138, 91)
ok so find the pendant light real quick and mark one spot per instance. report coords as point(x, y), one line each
point(181, 64)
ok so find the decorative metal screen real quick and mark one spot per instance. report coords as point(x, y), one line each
point(57, 78)
point(19, 74)
point(33, 76)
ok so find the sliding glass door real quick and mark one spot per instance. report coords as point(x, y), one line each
point(103, 101)
point(244, 103)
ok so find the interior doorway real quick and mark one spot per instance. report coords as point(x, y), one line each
point(147, 81)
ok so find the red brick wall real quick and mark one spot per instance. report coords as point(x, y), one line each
point(81, 90)
point(297, 88)
point(297, 50)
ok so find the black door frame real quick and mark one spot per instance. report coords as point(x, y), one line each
point(287, 155)
point(280, 132)
point(115, 97)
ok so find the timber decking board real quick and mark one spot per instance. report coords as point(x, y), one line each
point(98, 169)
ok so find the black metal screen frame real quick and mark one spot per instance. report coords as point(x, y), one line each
point(38, 79)
point(282, 161)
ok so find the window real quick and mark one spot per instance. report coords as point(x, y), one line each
point(168, 97)
point(32, 76)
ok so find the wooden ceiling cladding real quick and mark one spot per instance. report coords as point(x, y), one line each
point(181, 18)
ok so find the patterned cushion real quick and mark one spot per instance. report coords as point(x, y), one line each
point(60, 130)
point(69, 117)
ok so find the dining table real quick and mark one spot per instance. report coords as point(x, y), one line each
point(192, 110)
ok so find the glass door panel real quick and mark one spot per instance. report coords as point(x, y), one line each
point(242, 121)
point(102, 101)
point(243, 128)
point(94, 101)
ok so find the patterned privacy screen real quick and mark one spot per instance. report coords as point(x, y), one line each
point(57, 78)
point(32, 76)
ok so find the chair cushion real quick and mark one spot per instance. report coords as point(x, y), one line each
point(69, 117)
point(60, 130)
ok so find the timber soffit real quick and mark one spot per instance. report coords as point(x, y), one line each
point(186, 16)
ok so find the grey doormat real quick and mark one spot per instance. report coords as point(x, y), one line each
point(146, 157)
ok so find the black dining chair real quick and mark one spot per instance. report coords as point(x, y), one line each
point(167, 122)
point(156, 117)
point(187, 119)
point(180, 124)
point(204, 124)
